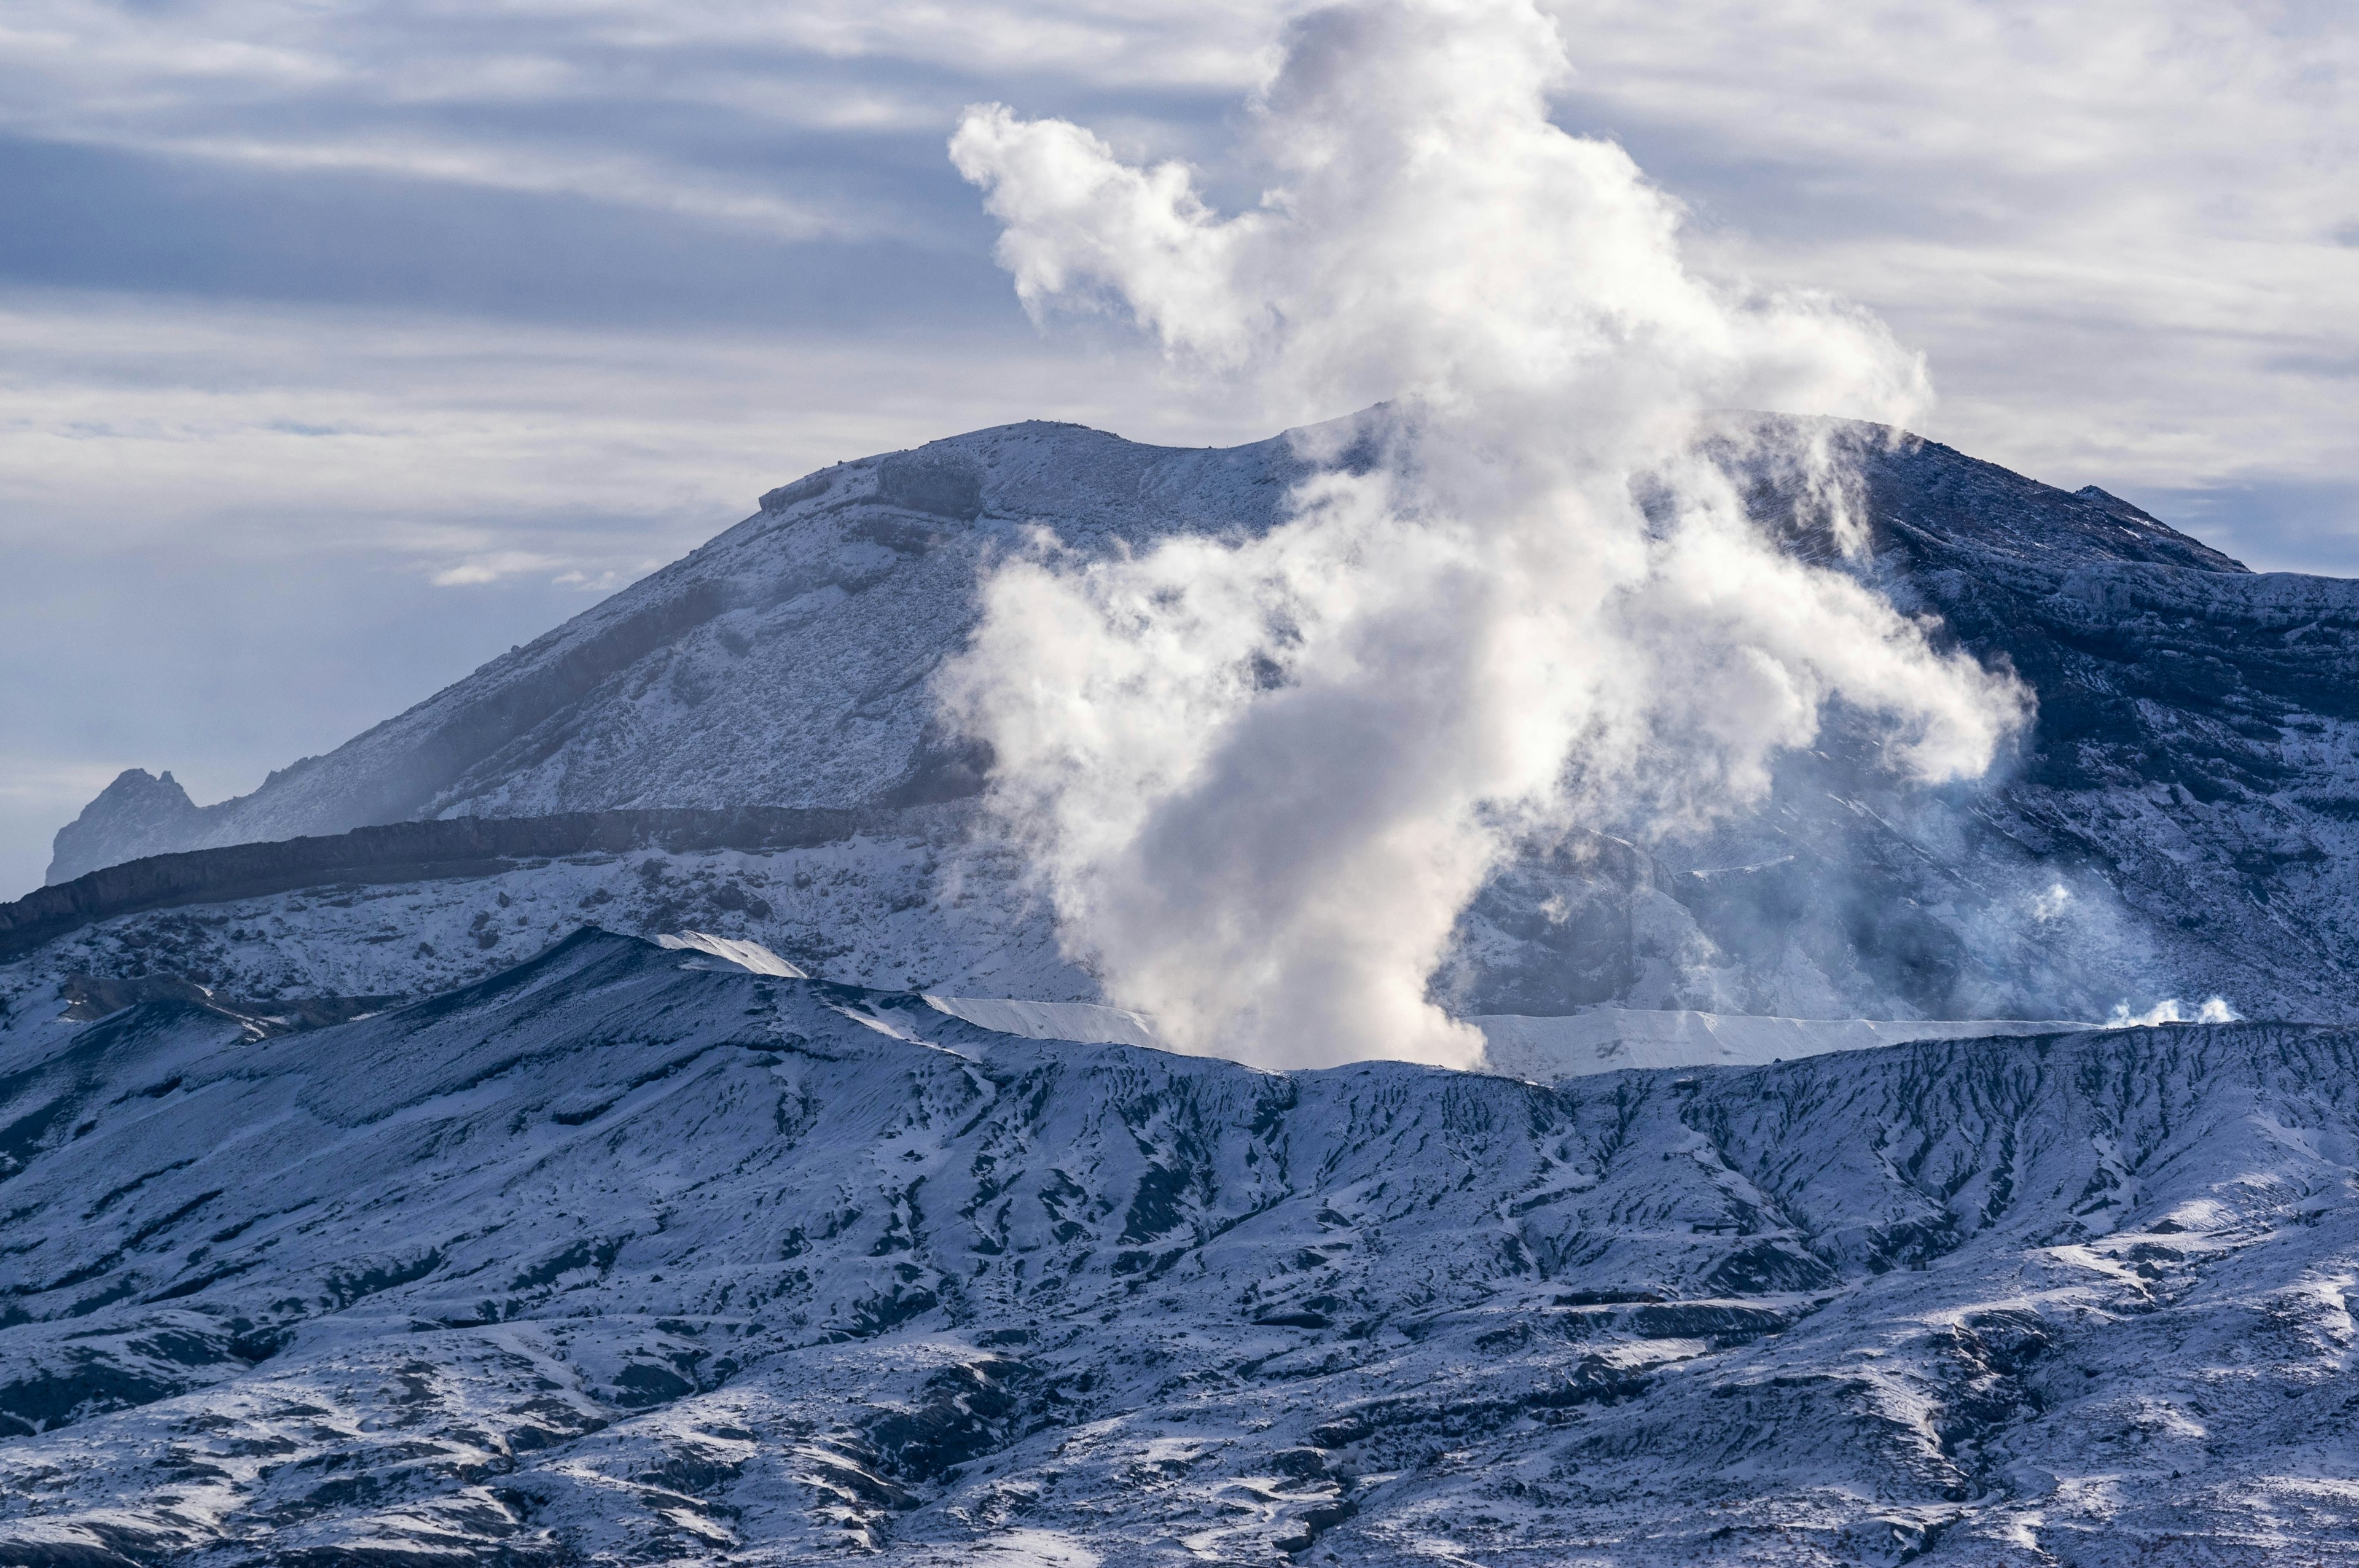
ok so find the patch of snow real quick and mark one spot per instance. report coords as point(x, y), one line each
point(1085, 1022)
point(749, 956)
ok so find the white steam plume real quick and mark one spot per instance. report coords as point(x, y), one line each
point(2172, 1010)
point(1264, 776)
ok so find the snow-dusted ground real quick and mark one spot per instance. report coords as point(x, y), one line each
point(629, 1256)
point(400, 941)
point(924, 909)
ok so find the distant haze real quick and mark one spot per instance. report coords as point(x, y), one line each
point(345, 349)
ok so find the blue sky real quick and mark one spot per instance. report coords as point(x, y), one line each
point(342, 346)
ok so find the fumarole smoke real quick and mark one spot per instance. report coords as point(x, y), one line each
point(1263, 775)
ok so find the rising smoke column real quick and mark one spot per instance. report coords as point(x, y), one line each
point(1262, 777)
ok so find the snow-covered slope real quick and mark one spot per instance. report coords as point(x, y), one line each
point(921, 907)
point(627, 1256)
point(2182, 823)
point(782, 663)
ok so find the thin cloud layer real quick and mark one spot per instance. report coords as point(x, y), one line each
point(2128, 232)
point(2120, 229)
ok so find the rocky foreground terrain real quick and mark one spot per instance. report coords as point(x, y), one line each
point(627, 1254)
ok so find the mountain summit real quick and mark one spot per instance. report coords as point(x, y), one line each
point(784, 662)
point(2177, 823)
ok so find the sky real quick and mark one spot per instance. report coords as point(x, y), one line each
point(343, 346)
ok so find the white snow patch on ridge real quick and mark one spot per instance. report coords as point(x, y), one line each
point(1547, 1049)
point(1541, 1049)
point(1082, 1023)
point(745, 954)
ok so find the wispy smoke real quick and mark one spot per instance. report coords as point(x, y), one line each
point(1263, 775)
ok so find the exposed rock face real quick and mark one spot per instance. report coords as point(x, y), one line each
point(138, 814)
point(616, 1257)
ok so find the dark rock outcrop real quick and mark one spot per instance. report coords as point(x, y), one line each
point(399, 852)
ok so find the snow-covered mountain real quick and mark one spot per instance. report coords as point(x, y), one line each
point(2180, 822)
point(359, 1205)
point(629, 1256)
point(782, 663)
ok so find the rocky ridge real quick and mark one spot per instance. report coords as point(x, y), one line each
point(628, 1256)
